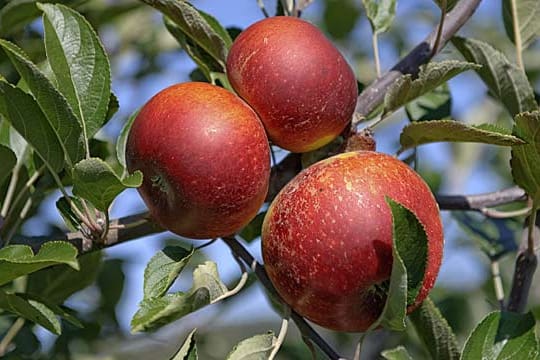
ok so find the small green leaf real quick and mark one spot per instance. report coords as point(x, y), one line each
point(340, 17)
point(31, 310)
point(409, 253)
point(53, 104)
point(163, 269)
point(253, 230)
point(122, 140)
point(503, 335)
point(7, 162)
point(95, 181)
point(257, 347)
point(419, 133)
point(449, 4)
point(79, 63)
point(24, 114)
point(525, 160)
point(155, 312)
point(70, 218)
point(18, 260)
point(506, 82)
point(495, 237)
point(430, 77)
point(398, 353)
point(528, 11)
point(201, 28)
point(57, 283)
point(380, 14)
point(434, 105)
point(434, 331)
point(188, 351)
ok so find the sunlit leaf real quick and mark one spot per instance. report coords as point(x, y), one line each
point(528, 12)
point(380, 14)
point(257, 347)
point(525, 160)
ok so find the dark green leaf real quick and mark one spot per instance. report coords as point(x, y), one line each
point(495, 237)
point(435, 332)
point(163, 269)
point(188, 351)
point(112, 107)
point(430, 77)
point(340, 17)
point(7, 162)
point(257, 347)
point(380, 14)
point(51, 101)
point(525, 160)
point(419, 133)
point(502, 335)
point(398, 353)
point(95, 181)
point(122, 139)
point(155, 312)
point(31, 310)
point(449, 4)
point(253, 230)
point(24, 114)
point(70, 218)
point(18, 260)
point(507, 82)
point(58, 283)
point(528, 12)
point(434, 105)
point(201, 28)
point(80, 65)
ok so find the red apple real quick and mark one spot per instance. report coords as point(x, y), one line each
point(327, 237)
point(295, 79)
point(205, 160)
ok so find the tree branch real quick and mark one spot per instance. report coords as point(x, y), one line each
point(374, 94)
point(307, 331)
point(481, 201)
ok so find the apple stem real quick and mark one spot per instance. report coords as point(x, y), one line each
point(305, 329)
point(282, 333)
point(497, 283)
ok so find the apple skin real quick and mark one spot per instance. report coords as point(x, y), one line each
point(327, 237)
point(205, 159)
point(296, 80)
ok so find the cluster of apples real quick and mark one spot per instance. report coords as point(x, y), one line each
point(327, 236)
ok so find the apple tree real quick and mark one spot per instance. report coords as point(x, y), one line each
point(333, 136)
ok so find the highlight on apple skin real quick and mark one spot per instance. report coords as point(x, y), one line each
point(295, 79)
point(327, 237)
point(205, 159)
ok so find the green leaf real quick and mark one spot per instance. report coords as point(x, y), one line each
point(31, 310)
point(253, 230)
point(525, 160)
point(95, 181)
point(502, 335)
point(80, 65)
point(188, 351)
point(163, 269)
point(24, 114)
point(430, 77)
point(506, 82)
point(7, 162)
point(57, 283)
point(155, 312)
point(340, 17)
point(51, 101)
point(398, 353)
point(257, 347)
point(419, 133)
point(380, 14)
point(70, 218)
point(204, 61)
point(14, 14)
point(18, 260)
point(201, 28)
point(449, 4)
point(434, 331)
point(434, 105)
point(528, 12)
point(495, 237)
point(409, 253)
point(122, 140)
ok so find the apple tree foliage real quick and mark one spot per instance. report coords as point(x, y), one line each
point(55, 96)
